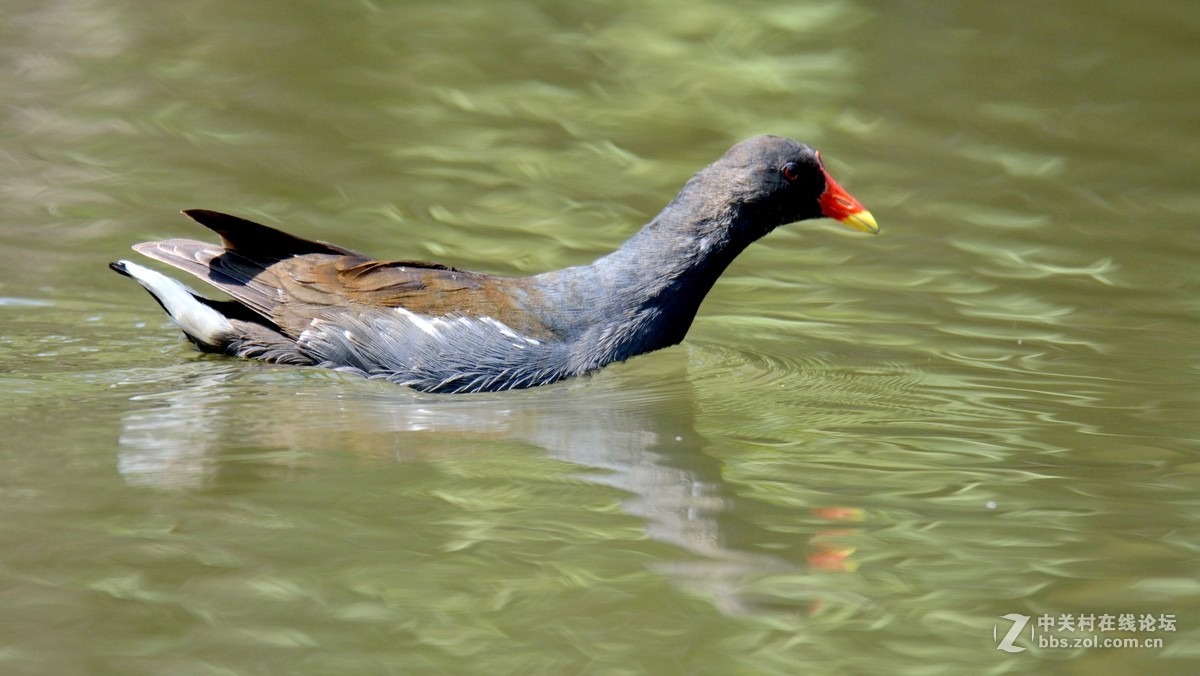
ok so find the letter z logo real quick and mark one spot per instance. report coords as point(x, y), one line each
point(1006, 644)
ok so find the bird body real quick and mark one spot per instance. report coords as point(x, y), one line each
point(440, 329)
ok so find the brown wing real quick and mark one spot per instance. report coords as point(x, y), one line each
point(312, 284)
point(289, 280)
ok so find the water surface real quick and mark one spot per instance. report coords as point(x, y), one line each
point(867, 450)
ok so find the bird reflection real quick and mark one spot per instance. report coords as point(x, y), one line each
point(643, 440)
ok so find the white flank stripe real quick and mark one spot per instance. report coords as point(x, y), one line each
point(426, 325)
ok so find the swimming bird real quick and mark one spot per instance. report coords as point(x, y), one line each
point(440, 329)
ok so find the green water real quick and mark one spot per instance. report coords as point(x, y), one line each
point(867, 450)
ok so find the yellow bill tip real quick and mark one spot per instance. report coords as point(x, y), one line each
point(862, 221)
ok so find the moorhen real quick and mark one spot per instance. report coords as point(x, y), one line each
point(441, 329)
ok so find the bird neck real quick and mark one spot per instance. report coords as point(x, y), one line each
point(644, 295)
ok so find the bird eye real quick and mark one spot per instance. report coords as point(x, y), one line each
point(790, 171)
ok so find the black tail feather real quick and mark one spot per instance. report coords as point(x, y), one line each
point(257, 241)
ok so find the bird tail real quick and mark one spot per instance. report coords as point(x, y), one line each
point(200, 322)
